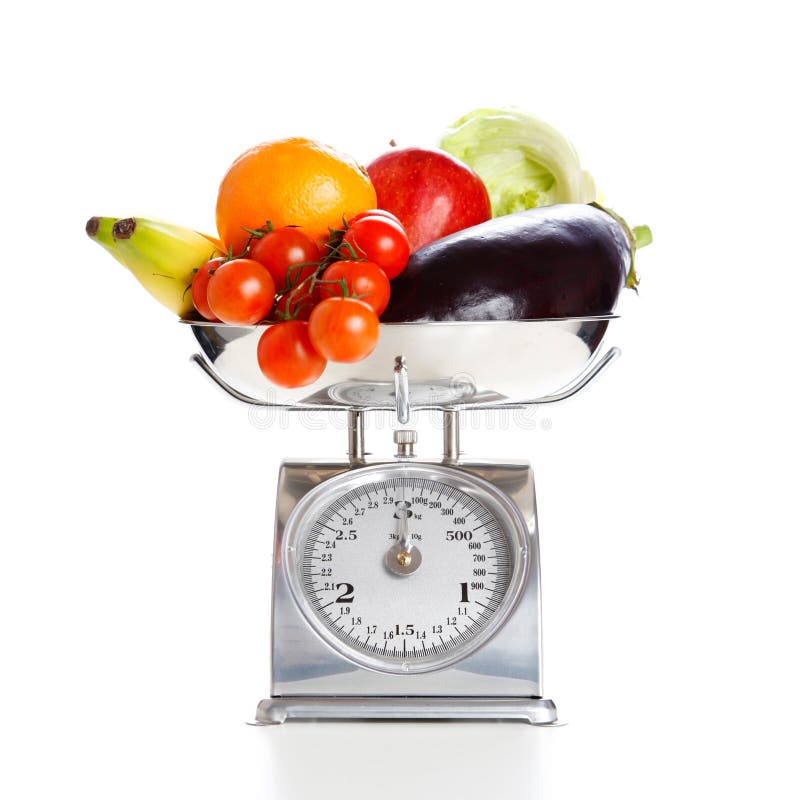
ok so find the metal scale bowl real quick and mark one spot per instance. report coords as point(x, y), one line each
point(409, 589)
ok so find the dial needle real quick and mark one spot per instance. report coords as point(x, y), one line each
point(402, 530)
point(403, 558)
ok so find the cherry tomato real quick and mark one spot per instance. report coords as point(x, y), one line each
point(241, 292)
point(281, 251)
point(364, 279)
point(343, 329)
point(380, 240)
point(200, 288)
point(287, 357)
point(375, 212)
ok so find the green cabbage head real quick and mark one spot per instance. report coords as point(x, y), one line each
point(523, 161)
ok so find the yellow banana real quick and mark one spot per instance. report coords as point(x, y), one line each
point(99, 229)
point(162, 257)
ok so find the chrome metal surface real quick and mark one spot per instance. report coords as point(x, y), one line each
point(403, 559)
point(405, 441)
point(512, 530)
point(451, 445)
point(506, 665)
point(447, 365)
point(402, 402)
point(612, 354)
point(534, 710)
point(355, 436)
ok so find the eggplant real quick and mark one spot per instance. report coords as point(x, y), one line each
point(569, 260)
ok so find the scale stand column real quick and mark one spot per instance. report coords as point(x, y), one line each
point(355, 437)
point(451, 445)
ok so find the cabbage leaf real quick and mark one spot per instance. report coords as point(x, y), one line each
point(523, 162)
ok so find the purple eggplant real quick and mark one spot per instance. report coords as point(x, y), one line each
point(568, 260)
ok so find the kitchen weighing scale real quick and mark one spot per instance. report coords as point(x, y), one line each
point(408, 588)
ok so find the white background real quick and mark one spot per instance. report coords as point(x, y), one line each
point(137, 499)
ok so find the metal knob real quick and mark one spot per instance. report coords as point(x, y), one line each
point(405, 441)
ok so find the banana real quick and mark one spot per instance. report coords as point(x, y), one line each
point(162, 257)
point(99, 229)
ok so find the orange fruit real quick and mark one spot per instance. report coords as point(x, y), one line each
point(291, 182)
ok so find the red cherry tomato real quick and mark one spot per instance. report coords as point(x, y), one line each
point(343, 329)
point(200, 288)
point(364, 279)
point(241, 292)
point(380, 240)
point(282, 251)
point(375, 212)
point(287, 357)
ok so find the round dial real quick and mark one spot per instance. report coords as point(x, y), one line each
point(406, 568)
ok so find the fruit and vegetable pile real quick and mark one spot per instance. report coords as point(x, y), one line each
point(500, 223)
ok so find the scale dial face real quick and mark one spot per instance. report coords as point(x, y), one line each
point(406, 568)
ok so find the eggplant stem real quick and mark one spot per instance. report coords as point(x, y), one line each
point(632, 279)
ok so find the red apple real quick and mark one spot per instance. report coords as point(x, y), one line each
point(430, 192)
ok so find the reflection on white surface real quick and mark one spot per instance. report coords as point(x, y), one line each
point(390, 760)
point(547, 355)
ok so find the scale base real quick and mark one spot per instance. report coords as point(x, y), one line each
point(534, 710)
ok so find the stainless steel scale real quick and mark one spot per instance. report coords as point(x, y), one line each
point(402, 588)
